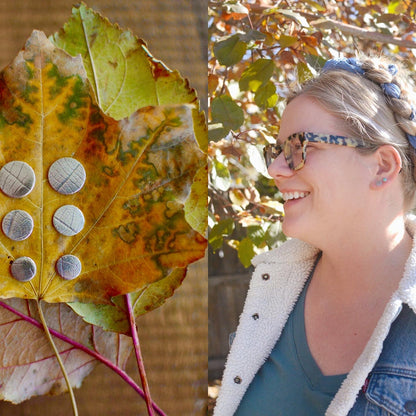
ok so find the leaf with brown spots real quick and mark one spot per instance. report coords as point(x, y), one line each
point(139, 173)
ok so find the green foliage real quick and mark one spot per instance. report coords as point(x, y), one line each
point(229, 51)
point(221, 229)
point(225, 111)
point(256, 75)
point(257, 54)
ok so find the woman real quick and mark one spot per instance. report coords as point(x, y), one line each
point(329, 323)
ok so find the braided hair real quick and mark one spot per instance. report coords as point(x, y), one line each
point(374, 100)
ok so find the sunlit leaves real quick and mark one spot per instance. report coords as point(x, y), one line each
point(397, 6)
point(304, 73)
point(266, 96)
point(297, 17)
point(220, 174)
point(257, 74)
point(216, 235)
point(286, 40)
point(292, 42)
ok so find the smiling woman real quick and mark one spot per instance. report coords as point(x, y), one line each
point(333, 310)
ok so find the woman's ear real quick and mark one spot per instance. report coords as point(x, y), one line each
point(389, 165)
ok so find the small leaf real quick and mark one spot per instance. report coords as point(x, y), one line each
point(389, 17)
point(252, 35)
point(122, 72)
point(304, 73)
point(220, 175)
point(266, 96)
point(226, 111)
point(397, 7)
point(28, 366)
point(236, 7)
point(285, 41)
point(216, 131)
point(246, 251)
point(223, 228)
point(256, 234)
point(255, 154)
point(230, 51)
point(294, 16)
point(212, 83)
point(316, 5)
point(274, 234)
point(257, 74)
point(315, 62)
point(238, 198)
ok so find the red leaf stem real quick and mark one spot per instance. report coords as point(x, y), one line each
point(139, 359)
point(82, 347)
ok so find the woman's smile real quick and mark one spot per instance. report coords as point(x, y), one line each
point(295, 195)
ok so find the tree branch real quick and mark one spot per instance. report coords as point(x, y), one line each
point(361, 33)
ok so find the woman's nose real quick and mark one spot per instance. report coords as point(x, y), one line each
point(279, 167)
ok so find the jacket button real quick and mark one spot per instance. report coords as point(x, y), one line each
point(265, 276)
point(255, 316)
point(237, 380)
point(410, 407)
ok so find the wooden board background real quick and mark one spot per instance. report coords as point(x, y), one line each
point(174, 337)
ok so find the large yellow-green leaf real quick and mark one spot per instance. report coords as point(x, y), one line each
point(123, 73)
point(126, 77)
point(139, 173)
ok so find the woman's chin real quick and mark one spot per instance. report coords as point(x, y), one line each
point(293, 228)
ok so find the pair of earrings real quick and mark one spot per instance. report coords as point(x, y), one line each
point(379, 183)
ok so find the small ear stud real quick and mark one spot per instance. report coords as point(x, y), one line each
point(383, 180)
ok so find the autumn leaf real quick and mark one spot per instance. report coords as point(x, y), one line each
point(122, 71)
point(125, 227)
point(126, 77)
point(33, 370)
point(115, 317)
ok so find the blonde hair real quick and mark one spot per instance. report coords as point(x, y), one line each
point(369, 113)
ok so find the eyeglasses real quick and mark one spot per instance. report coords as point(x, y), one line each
point(294, 147)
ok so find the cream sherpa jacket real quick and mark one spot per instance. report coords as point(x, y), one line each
point(276, 284)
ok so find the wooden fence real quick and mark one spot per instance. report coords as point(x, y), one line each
point(227, 287)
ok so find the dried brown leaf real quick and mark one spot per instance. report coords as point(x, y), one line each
point(28, 364)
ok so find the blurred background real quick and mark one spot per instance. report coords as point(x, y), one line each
point(173, 337)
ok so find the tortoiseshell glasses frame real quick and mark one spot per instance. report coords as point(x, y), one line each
point(294, 147)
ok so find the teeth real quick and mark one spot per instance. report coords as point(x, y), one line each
point(294, 195)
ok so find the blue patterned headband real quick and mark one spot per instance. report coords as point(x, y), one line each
point(389, 89)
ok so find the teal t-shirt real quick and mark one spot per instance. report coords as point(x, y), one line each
point(290, 382)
